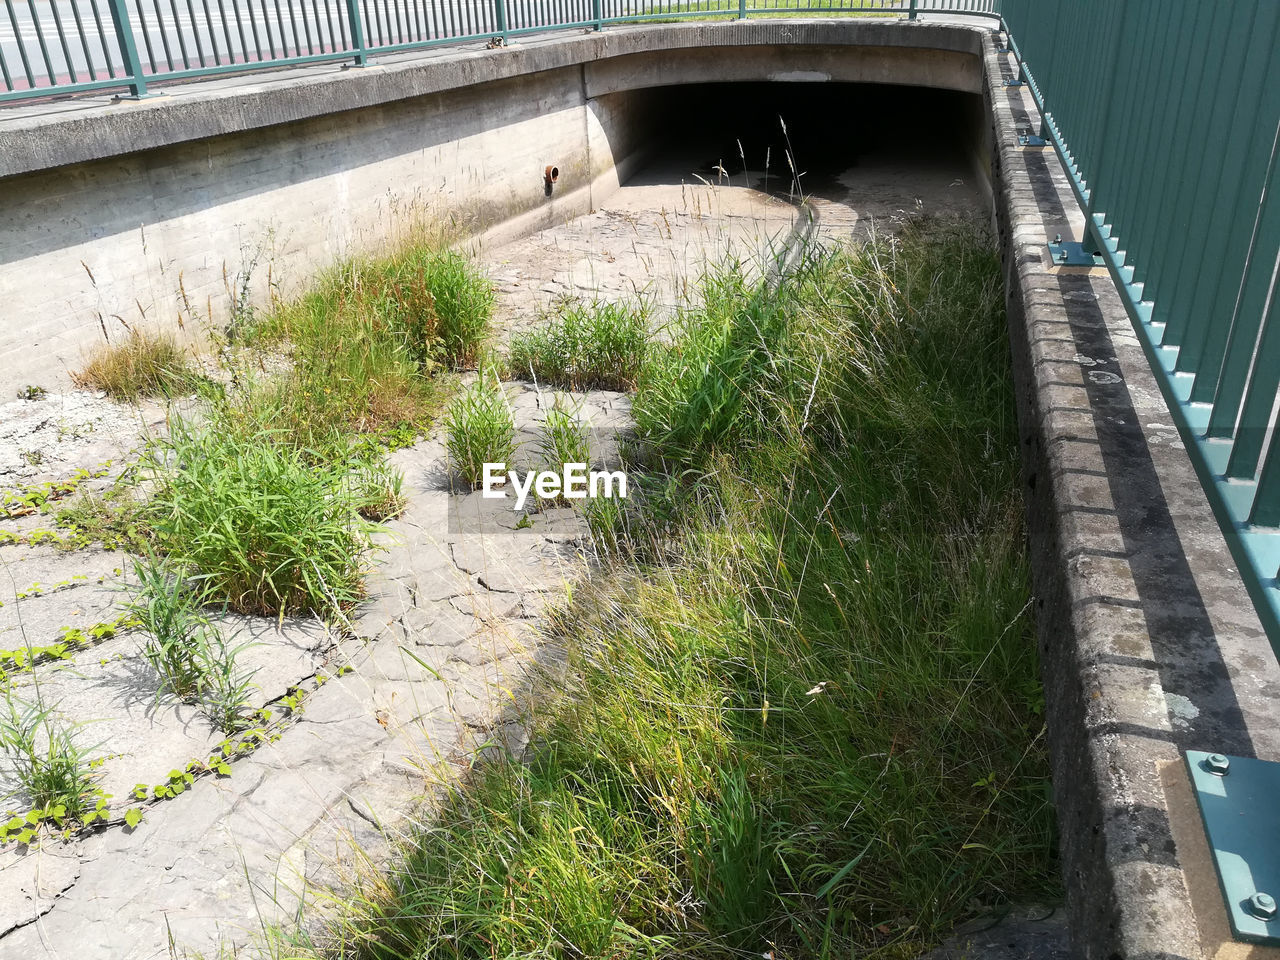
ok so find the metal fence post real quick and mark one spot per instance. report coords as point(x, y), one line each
point(742, 9)
point(128, 49)
point(911, 10)
point(500, 18)
point(596, 14)
point(360, 51)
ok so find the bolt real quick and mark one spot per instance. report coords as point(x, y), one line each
point(1263, 906)
point(1063, 256)
point(1217, 764)
point(1057, 238)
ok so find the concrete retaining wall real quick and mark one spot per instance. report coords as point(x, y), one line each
point(151, 211)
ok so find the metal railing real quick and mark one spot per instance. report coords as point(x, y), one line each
point(51, 47)
point(1169, 126)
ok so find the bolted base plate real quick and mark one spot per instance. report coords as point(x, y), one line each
point(1031, 140)
point(1071, 253)
point(1238, 809)
point(1015, 82)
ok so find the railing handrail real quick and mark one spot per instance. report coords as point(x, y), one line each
point(152, 41)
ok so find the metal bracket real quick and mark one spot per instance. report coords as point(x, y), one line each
point(1071, 253)
point(1236, 796)
point(1031, 140)
point(1015, 82)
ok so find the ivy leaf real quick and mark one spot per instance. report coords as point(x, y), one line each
point(26, 836)
point(223, 769)
point(33, 817)
point(89, 817)
point(133, 816)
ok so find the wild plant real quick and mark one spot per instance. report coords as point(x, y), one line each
point(170, 612)
point(146, 363)
point(378, 491)
point(225, 687)
point(367, 345)
point(479, 429)
point(458, 309)
point(267, 528)
point(42, 750)
point(588, 346)
point(700, 392)
point(196, 662)
point(564, 437)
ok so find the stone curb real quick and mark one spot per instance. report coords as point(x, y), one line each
point(1149, 644)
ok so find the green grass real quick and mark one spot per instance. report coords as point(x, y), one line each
point(145, 363)
point(43, 752)
point(194, 661)
point(268, 527)
point(588, 346)
point(265, 495)
point(801, 716)
point(368, 345)
point(479, 429)
point(564, 438)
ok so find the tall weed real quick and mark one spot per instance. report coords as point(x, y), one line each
point(268, 528)
point(806, 721)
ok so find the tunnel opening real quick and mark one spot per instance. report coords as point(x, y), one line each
point(874, 149)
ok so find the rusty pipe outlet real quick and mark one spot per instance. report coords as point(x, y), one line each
point(550, 176)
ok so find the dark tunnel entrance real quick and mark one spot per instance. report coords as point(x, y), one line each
point(875, 150)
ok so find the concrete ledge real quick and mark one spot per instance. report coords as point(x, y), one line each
point(35, 138)
point(1149, 643)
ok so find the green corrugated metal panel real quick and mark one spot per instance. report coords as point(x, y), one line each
point(1167, 115)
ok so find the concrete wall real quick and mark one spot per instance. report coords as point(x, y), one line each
point(151, 211)
point(168, 232)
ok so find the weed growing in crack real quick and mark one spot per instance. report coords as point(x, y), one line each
point(378, 491)
point(267, 527)
point(366, 346)
point(225, 686)
point(118, 518)
point(564, 439)
point(479, 429)
point(195, 661)
point(170, 612)
point(42, 750)
point(588, 346)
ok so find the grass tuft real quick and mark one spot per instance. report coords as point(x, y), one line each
point(42, 751)
point(479, 429)
point(268, 527)
point(590, 346)
point(145, 364)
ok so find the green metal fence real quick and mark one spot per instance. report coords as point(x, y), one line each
point(52, 47)
point(1167, 117)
